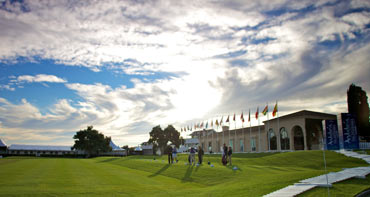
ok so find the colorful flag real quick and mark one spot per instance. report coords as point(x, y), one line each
point(264, 112)
point(201, 125)
point(227, 119)
point(181, 129)
point(234, 117)
point(216, 122)
point(275, 110)
point(211, 123)
point(249, 118)
point(241, 117)
point(257, 113)
point(221, 121)
point(207, 124)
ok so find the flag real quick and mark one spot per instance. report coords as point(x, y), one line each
point(216, 122)
point(227, 119)
point(211, 123)
point(207, 124)
point(234, 117)
point(241, 117)
point(181, 129)
point(221, 121)
point(265, 110)
point(249, 118)
point(257, 113)
point(201, 125)
point(275, 110)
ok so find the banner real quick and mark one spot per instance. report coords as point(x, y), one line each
point(349, 130)
point(331, 134)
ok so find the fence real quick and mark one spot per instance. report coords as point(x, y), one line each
point(364, 145)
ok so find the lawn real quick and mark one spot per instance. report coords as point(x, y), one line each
point(257, 174)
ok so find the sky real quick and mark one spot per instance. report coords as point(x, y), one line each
point(127, 66)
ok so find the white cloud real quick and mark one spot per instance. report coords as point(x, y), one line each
point(193, 41)
point(40, 78)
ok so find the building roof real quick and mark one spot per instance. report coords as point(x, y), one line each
point(138, 149)
point(147, 147)
point(39, 147)
point(2, 143)
point(114, 146)
point(307, 114)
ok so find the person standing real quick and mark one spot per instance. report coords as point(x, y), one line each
point(229, 153)
point(200, 155)
point(169, 150)
point(174, 154)
point(224, 155)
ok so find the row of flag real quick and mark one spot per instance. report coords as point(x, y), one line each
point(219, 123)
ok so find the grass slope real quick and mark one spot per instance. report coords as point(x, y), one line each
point(257, 174)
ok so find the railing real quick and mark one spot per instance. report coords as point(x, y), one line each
point(364, 145)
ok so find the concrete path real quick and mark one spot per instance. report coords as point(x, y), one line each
point(320, 181)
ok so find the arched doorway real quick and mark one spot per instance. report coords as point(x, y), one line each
point(298, 138)
point(272, 140)
point(284, 139)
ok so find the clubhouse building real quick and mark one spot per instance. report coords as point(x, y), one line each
point(301, 130)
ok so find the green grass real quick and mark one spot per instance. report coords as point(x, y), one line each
point(257, 174)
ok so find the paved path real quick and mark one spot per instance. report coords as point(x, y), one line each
point(320, 181)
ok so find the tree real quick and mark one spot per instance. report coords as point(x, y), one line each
point(358, 105)
point(91, 141)
point(159, 138)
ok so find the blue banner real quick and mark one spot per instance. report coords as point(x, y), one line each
point(331, 135)
point(349, 129)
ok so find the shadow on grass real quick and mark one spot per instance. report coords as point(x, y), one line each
point(231, 167)
point(187, 176)
point(164, 168)
point(109, 160)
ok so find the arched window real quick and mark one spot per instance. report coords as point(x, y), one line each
point(272, 140)
point(284, 139)
point(298, 138)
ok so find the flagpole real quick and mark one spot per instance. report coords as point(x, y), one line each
point(243, 133)
point(223, 136)
point(259, 133)
point(278, 129)
point(207, 144)
point(268, 126)
point(234, 144)
point(250, 130)
point(216, 137)
point(230, 131)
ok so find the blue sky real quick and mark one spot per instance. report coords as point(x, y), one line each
point(127, 66)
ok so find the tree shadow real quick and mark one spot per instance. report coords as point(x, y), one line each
point(187, 176)
point(164, 168)
point(109, 160)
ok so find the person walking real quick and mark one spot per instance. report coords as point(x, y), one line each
point(200, 155)
point(192, 155)
point(169, 152)
point(229, 153)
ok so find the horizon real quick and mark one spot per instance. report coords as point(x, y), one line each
point(126, 67)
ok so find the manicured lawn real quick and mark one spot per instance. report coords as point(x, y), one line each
point(257, 174)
